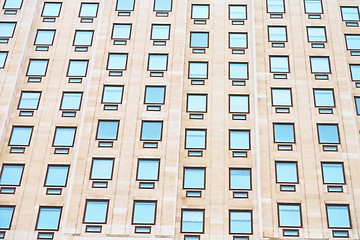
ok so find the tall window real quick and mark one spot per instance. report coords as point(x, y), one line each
point(125, 5)
point(239, 139)
point(284, 133)
point(29, 100)
point(151, 130)
point(196, 103)
point(277, 33)
point(64, 137)
point(48, 218)
point(281, 97)
point(20, 136)
point(238, 103)
point(194, 178)
point(275, 6)
point(96, 211)
point(338, 216)
point(240, 222)
point(144, 212)
point(195, 138)
point(320, 65)
point(240, 179)
point(313, 6)
point(328, 133)
point(279, 64)
point(6, 216)
point(238, 70)
point(324, 98)
point(11, 174)
point(57, 176)
point(192, 220)
point(286, 172)
point(333, 173)
point(102, 169)
point(289, 215)
point(44, 37)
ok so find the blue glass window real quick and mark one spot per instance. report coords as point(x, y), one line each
point(333, 173)
point(29, 100)
point(148, 170)
point(194, 178)
point(144, 212)
point(355, 72)
point(240, 222)
point(83, 38)
point(198, 70)
point(77, 68)
point(316, 34)
point(275, 6)
point(121, 31)
point(277, 34)
point(200, 11)
point(324, 98)
point(192, 221)
point(289, 215)
point(157, 62)
point(281, 97)
point(238, 103)
point(320, 64)
point(151, 130)
point(3, 56)
point(313, 6)
point(107, 130)
point(350, 14)
point(238, 70)
point(125, 5)
point(286, 172)
point(56, 176)
point(239, 139)
point(20, 136)
point(44, 37)
point(64, 137)
point(196, 103)
point(328, 133)
point(160, 32)
point(240, 179)
point(237, 12)
point(37, 67)
point(154, 95)
point(357, 105)
point(338, 216)
point(352, 42)
point(96, 211)
point(71, 101)
point(11, 175)
point(49, 218)
point(284, 133)
point(12, 4)
point(195, 139)
point(199, 39)
point(102, 169)
point(163, 5)
point(112, 94)
point(88, 10)
point(279, 64)
point(6, 215)
point(7, 29)
point(117, 61)
point(238, 40)
point(51, 9)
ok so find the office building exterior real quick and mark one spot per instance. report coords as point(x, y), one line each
point(169, 119)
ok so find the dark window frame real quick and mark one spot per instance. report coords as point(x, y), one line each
point(162, 128)
point(47, 172)
point(201, 5)
point(42, 11)
point(167, 62)
point(83, 30)
point(37, 220)
point(196, 129)
point(236, 189)
point(340, 205)
point(56, 127)
point(97, 9)
point(237, 5)
point(338, 132)
point(77, 60)
point(292, 204)
point(112, 85)
point(194, 210)
point(322, 172)
point(147, 159)
point(22, 126)
point(107, 120)
point(281, 88)
point(133, 211)
point(45, 30)
point(297, 172)
point(196, 94)
point(241, 210)
point(92, 167)
point(96, 200)
point(12, 216)
point(13, 164)
point(284, 123)
point(246, 95)
point(46, 69)
point(62, 98)
point(183, 181)
point(286, 33)
point(21, 94)
point(112, 31)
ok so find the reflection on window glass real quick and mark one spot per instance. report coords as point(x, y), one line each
point(160, 31)
point(239, 139)
point(277, 34)
point(12, 4)
point(154, 95)
point(20, 136)
point(196, 103)
point(350, 14)
point(11, 175)
point(96, 211)
point(238, 103)
point(56, 176)
point(102, 169)
point(284, 133)
point(320, 64)
point(83, 38)
point(240, 179)
point(198, 70)
point(338, 216)
point(44, 37)
point(195, 139)
point(64, 137)
point(163, 5)
point(240, 222)
point(238, 70)
point(286, 172)
point(324, 98)
point(200, 11)
point(125, 5)
point(3, 56)
point(157, 62)
point(144, 212)
point(51, 9)
point(328, 133)
point(148, 170)
point(77, 68)
point(107, 130)
point(237, 12)
point(121, 31)
point(275, 6)
point(333, 173)
point(237, 40)
point(289, 215)
point(112, 94)
point(151, 131)
point(281, 97)
point(279, 64)
point(6, 215)
point(37, 67)
point(199, 39)
point(316, 34)
point(192, 221)
point(49, 218)
point(313, 6)
point(88, 10)
point(71, 101)
point(117, 61)
point(194, 178)
point(29, 100)
point(352, 42)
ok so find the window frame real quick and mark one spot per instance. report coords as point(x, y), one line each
point(111, 85)
point(38, 216)
point(22, 1)
point(62, 98)
point(45, 30)
point(240, 95)
point(152, 121)
point(327, 124)
point(47, 172)
point(207, 70)
point(107, 139)
point(322, 8)
point(133, 211)
point(277, 26)
point(13, 32)
point(251, 217)
point(21, 126)
point(83, 30)
point(308, 35)
point(342, 15)
point(124, 10)
point(280, 56)
point(37, 59)
point(238, 5)
point(117, 69)
point(284, 123)
point(12, 164)
point(333, 163)
point(42, 11)
point(240, 33)
point(196, 94)
point(191, 38)
point(21, 94)
point(281, 88)
point(250, 180)
point(6, 56)
point(192, 9)
point(195, 129)
point(159, 24)
point(338, 205)
point(150, 86)
point(92, 167)
point(346, 42)
point(267, 8)
point(157, 70)
point(239, 130)
point(147, 159)
point(77, 60)
point(324, 57)
point(193, 210)
point(73, 142)
point(297, 172)
point(320, 89)
point(96, 200)
point(247, 71)
point(12, 216)
point(167, 11)
point(204, 180)
point(97, 9)
point(300, 213)
point(117, 24)
point(351, 72)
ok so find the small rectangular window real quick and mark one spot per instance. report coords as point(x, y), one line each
point(144, 212)
point(350, 14)
point(281, 97)
point(238, 40)
point(88, 10)
point(192, 220)
point(199, 39)
point(151, 130)
point(277, 33)
point(7, 29)
point(333, 173)
point(121, 31)
point(107, 130)
point(37, 67)
point(320, 64)
point(355, 72)
point(275, 6)
point(44, 37)
point(200, 11)
point(77, 68)
point(289, 215)
point(148, 170)
point(286, 172)
point(357, 105)
point(64, 137)
point(352, 41)
point(324, 98)
point(29, 100)
point(198, 70)
point(316, 34)
point(338, 216)
point(51, 9)
point(125, 5)
point(13, 4)
point(102, 169)
point(112, 94)
point(313, 6)
point(284, 133)
point(49, 218)
point(162, 5)
point(83, 38)
point(196, 103)
point(6, 216)
point(194, 178)
point(71, 101)
point(240, 222)
point(240, 179)
point(96, 211)
point(157, 62)
point(57, 176)
point(328, 133)
point(154, 95)
point(237, 12)
point(195, 138)
point(160, 32)
point(239, 103)
point(239, 139)
point(279, 64)
point(11, 174)
point(20, 136)
point(3, 57)
point(117, 61)
point(238, 70)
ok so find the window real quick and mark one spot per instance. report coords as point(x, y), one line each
point(83, 38)
point(194, 178)
point(117, 61)
point(320, 64)
point(44, 37)
point(77, 68)
point(154, 95)
point(281, 97)
point(37, 67)
point(198, 70)
point(148, 170)
point(6, 215)
point(20, 136)
point(316, 34)
point(51, 9)
point(275, 6)
point(160, 32)
point(56, 176)
point(239, 139)
point(237, 40)
point(162, 5)
point(313, 6)
point(125, 5)
point(7, 29)
point(286, 172)
point(3, 56)
point(333, 173)
point(151, 130)
point(240, 222)
point(107, 130)
point(71, 101)
point(338, 216)
point(196, 103)
point(350, 14)
point(284, 133)
point(238, 70)
point(144, 212)
point(157, 62)
point(200, 11)
point(29, 100)
point(199, 39)
point(64, 137)
point(324, 98)
point(277, 34)
point(101, 169)
point(357, 105)
point(192, 220)
point(11, 174)
point(12, 4)
point(355, 72)
point(279, 64)
point(237, 12)
point(289, 215)
point(240, 179)
point(112, 94)
point(238, 103)
point(88, 10)
point(96, 211)
point(195, 139)
point(121, 31)
point(48, 218)
point(328, 133)
point(352, 42)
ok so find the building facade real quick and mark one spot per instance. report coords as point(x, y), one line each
point(169, 119)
